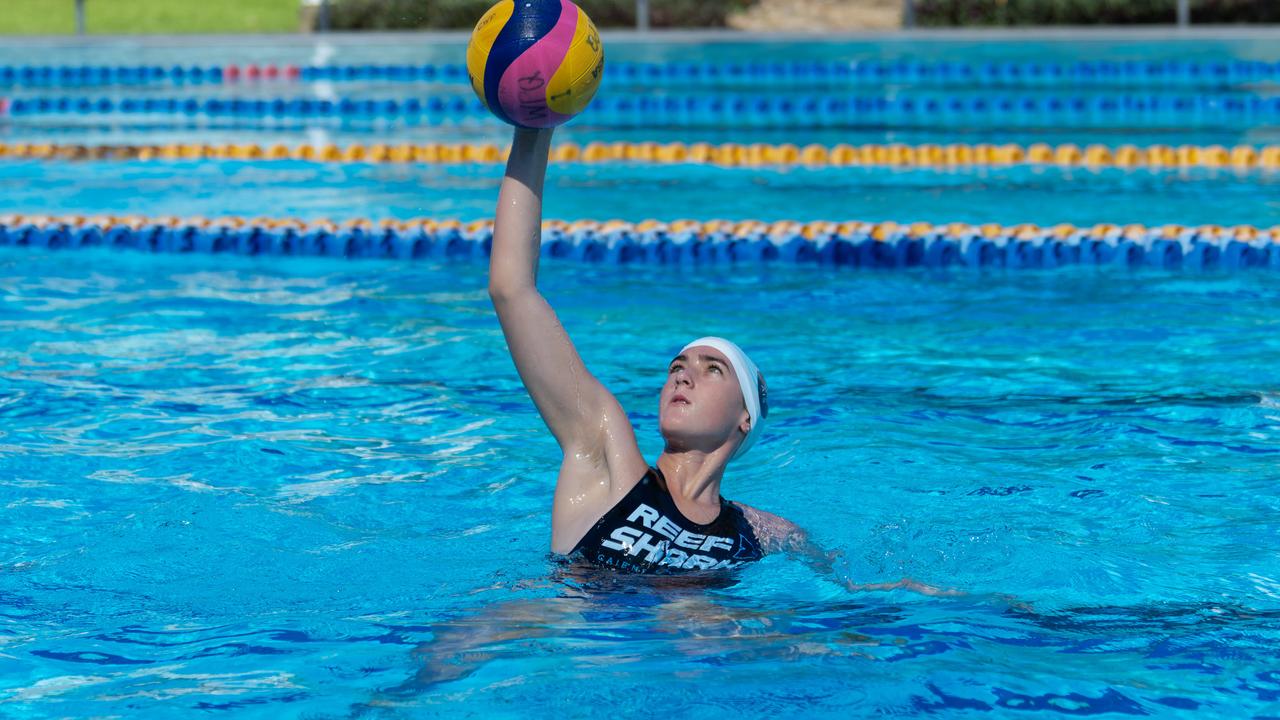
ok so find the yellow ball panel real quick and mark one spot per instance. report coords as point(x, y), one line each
point(576, 81)
point(589, 80)
point(491, 23)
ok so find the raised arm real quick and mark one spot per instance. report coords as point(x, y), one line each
point(574, 405)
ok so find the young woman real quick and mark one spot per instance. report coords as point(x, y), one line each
point(611, 508)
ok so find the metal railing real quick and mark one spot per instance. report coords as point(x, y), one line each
point(909, 14)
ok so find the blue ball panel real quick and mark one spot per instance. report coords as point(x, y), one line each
point(530, 22)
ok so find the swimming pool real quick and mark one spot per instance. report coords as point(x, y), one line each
point(314, 487)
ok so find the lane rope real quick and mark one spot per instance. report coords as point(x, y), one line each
point(681, 242)
point(754, 111)
point(1154, 157)
point(836, 73)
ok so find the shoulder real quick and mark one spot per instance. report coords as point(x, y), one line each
point(774, 533)
point(764, 519)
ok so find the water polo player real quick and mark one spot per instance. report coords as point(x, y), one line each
point(535, 64)
point(611, 508)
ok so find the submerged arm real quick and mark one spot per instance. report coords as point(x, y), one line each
point(777, 534)
point(574, 405)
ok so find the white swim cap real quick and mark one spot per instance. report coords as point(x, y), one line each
point(754, 393)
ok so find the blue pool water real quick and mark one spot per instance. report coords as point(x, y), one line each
point(639, 192)
point(293, 490)
point(310, 488)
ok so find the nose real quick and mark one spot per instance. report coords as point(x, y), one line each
point(683, 376)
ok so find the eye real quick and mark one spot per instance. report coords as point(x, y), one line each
point(717, 369)
point(673, 368)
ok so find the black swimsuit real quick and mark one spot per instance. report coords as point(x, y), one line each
point(645, 533)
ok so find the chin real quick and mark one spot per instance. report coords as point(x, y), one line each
point(681, 439)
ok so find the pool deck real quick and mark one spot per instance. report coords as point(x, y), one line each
point(1047, 34)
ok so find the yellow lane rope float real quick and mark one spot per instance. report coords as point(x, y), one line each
point(679, 242)
point(955, 155)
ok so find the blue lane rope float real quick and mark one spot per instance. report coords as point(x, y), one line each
point(686, 242)
point(1167, 74)
point(75, 76)
point(827, 111)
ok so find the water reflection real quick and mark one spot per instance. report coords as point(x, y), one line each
point(685, 625)
point(982, 653)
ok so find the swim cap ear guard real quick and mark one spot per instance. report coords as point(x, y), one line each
point(755, 394)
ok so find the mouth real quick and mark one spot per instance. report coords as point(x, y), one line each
point(679, 399)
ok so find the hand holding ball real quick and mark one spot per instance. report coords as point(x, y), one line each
point(535, 63)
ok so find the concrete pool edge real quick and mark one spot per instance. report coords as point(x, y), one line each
point(701, 36)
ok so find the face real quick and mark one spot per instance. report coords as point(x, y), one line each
point(701, 405)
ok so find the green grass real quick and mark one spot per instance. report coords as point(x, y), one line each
point(130, 17)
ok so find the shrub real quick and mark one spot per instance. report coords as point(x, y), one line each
point(1090, 12)
point(425, 14)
